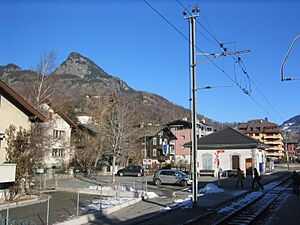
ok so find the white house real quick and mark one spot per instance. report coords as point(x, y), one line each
point(59, 149)
point(229, 149)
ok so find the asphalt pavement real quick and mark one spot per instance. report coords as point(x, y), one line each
point(160, 211)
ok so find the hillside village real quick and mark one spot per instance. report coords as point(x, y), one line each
point(102, 132)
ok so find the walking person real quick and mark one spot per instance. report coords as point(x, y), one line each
point(240, 177)
point(296, 179)
point(256, 179)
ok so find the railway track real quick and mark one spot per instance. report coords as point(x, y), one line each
point(248, 209)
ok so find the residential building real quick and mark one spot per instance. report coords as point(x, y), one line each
point(229, 149)
point(158, 144)
point(14, 110)
point(59, 149)
point(268, 133)
point(291, 149)
point(182, 130)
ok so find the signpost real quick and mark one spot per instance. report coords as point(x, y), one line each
point(217, 161)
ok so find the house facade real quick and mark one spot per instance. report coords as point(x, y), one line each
point(14, 110)
point(182, 130)
point(229, 149)
point(59, 149)
point(157, 144)
point(268, 133)
point(291, 148)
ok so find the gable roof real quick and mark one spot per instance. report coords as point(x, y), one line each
point(227, 138)
point(20, 103)
point(151, 131)
point(183, 123)
point(61, 114)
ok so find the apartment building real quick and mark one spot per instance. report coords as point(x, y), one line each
point(266, 132)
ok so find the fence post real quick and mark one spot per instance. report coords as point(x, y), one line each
point(101, 197)
point(45, 182)
point(7, 215)
point(146, 184)
point(77, 207)
point(48, 205)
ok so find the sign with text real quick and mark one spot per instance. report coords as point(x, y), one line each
point(220, 151)
point(147, 161)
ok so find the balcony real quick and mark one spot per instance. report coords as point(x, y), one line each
point(273, 142)
point(7, 172)
point(276, 136)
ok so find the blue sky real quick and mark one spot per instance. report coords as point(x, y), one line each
point(131, 41)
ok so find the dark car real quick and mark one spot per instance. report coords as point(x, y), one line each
point(131, 171)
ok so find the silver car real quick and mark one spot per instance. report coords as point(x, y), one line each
point(171, 177)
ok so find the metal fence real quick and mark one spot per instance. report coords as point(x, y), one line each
point(59, 200)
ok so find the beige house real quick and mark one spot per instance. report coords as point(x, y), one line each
point(59, 149)
point(14, 110)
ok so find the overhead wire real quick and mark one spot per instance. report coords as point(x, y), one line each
point(209, 59)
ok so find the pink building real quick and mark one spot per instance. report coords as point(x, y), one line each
point(182, 130)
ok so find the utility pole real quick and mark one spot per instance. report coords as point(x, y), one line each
point(193, 63)
point(287, 151)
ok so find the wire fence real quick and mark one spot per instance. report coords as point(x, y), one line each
point(57, 199)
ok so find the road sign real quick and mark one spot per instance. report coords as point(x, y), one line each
point(147, 161)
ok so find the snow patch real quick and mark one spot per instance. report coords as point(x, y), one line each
point(211, 188)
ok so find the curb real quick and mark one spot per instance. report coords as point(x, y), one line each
point(35, 200)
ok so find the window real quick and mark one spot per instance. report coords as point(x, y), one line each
point(58, 152)
point(160, 141)
point(154, 140)
point(58, 133)
point(165, 142)
point(154, 152)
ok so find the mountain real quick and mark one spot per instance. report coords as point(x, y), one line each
point(80, 77)
point(292, 125)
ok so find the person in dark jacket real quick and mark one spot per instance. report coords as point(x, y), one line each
point(240, 178)
point(295, 178)
point(256, 179)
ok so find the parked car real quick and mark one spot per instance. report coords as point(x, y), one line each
point(176, 177)
point(131, 171)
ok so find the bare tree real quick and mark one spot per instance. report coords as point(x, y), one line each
point(119, 129)
point(39, 83)
point(86, 150)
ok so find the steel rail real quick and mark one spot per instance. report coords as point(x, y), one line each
point(251, 210)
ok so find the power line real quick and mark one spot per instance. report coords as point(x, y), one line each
point(212, 42)
point(166, 20)
point(245, 91)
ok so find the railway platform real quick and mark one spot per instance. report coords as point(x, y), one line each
point(207, 204)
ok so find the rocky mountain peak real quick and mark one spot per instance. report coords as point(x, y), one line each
point(80, 67)
point(9, 68)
